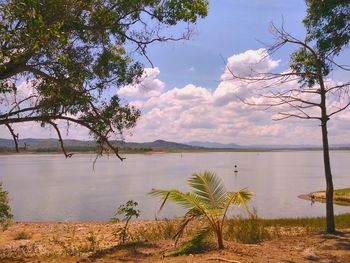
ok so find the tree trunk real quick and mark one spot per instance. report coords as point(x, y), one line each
point(326, 159)
point(220, 240)
point(329, 180)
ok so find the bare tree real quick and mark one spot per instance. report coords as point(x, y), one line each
point(303, 92)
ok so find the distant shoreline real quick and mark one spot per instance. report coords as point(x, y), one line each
point(137, 151)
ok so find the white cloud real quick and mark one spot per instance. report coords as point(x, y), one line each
point(148, 85)
point(249, 62)
point(196, 113)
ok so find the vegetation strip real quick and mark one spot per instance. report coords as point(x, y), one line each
point(340, 196)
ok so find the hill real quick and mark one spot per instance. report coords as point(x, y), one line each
point(52, 145)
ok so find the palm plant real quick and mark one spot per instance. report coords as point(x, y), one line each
point(209, 200)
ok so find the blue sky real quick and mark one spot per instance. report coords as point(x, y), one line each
point(231, 27)
point(188, 94)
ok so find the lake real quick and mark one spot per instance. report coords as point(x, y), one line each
point(52, 188)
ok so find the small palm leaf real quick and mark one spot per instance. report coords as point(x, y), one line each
point(209, 187)
point(186, 200)
point(238, 199)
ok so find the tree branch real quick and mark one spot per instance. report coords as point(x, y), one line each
point(67, 155)
point(14, 136)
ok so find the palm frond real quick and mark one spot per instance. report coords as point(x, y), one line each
point(186, 200)
point(186, 220)
point(209, 187)
point(242, 197)
point(238, 199)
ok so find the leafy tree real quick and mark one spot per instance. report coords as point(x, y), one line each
point(72, 52)
point(5, 209)
point(209, 200)
point(328, 22)
point(128, 211)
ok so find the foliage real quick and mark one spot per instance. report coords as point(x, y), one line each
point(248, 231)
point(127, 210)
point(73, 54)
point(328, 22)
point(5, 209)
point(209, 200)
point(193, 246)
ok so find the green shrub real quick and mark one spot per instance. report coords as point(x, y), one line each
point(127, 210)
point(5, 209)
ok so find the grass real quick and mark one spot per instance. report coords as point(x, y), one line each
point(345, 191)
point(252, 230)
point(22, 235)
point(255, 230)
point(313, 223)
point(248, 231)
point(160, 230)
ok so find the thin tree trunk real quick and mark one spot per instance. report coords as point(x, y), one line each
point(326, 159)
point(220, 240)
point(329, 180)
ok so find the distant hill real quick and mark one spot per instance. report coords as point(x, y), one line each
point(157, 145)
point(52, 145)
point(234, 146)
point(77, 145)
point(215, 145)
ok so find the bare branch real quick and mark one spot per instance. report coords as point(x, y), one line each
point(339, 110)
point(289, 115)
point(67, 155)
point(14, 136)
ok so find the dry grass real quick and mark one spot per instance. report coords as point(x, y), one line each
point(149, 240)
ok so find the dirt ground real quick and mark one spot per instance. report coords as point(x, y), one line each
point(95, 242)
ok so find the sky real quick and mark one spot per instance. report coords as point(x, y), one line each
point(188, 94)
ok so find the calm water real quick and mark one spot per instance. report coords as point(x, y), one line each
point(51, 188)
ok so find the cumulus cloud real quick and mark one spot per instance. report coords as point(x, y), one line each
point(249, 62)
point(193, 112)
point(148, 86)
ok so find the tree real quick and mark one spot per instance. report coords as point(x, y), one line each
point(304, 92)
point(328, 22)
point(209, 200)
point(72, 53)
